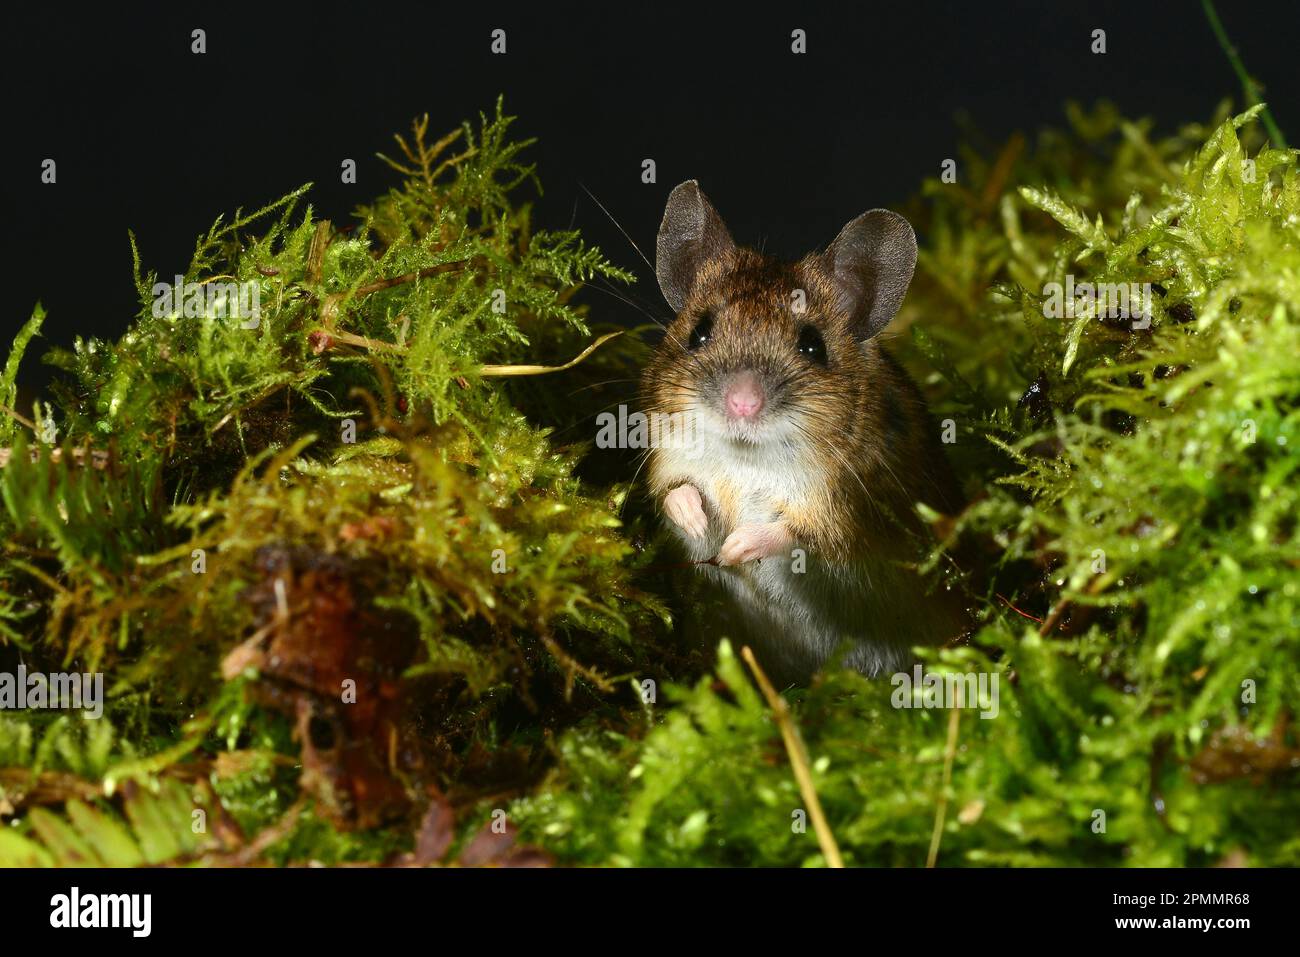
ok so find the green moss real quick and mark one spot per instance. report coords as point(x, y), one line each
point(1139, 501)
point(236, 559)
point(350, 441)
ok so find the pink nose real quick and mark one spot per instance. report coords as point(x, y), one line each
point(744, 398)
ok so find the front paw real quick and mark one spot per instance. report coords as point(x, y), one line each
point(685, 507)
point(754, 542)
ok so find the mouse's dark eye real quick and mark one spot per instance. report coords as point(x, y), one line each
point(702, 332)
point(811, 345)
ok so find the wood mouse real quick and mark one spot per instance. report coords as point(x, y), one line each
point(810, 443)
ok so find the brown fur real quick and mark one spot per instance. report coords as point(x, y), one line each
point(878, 450)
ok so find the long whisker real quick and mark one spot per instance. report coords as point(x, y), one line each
point(839, 456)
point(649, 265)
point(884, 462)
point(638, 307)
point(597, 385)
point(644, 259)
point(627, 301)
point(585, 420)
point(632, 485)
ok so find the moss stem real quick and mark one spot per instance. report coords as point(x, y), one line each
point(1249, 90)
point(798, 761)
point(949, 752)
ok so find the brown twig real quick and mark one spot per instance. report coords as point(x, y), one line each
point(798, 754)
point(18, 417)
point(329, 305)
point(20, 789)
point(1001, 170)
point(488, 371)
point(381, 284)
point(1022, 614)
point(572, 667)
point(248, 855)
point(364, 342)
point(320, 240)
point(1096, 585)
point(1053, 617)
point(507, 370)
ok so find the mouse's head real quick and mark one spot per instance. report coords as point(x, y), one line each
point(768, 352)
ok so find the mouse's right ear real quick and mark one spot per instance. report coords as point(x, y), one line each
point(691, 235)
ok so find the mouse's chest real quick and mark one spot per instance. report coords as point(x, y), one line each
point(751, 489)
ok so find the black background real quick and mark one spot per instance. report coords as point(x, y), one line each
point(153, 138)
point(907, 909)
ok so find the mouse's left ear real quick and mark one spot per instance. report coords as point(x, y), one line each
point(871, 263)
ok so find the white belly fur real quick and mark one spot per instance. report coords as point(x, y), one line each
point(870, 609)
